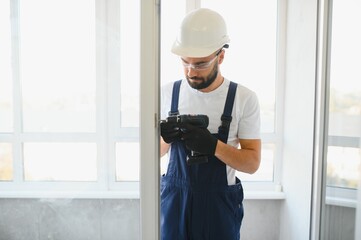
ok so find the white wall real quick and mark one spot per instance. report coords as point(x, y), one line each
point(298, 118)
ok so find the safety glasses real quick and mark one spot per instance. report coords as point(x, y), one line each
point(201, 66)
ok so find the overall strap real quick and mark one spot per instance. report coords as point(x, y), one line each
point(226, 118)
point(175, 97)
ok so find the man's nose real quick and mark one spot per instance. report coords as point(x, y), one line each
point(191, 72)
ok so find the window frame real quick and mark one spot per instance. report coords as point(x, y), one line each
point(335, 195)
point(324, 194)
point(108, 117)
point(106, 135)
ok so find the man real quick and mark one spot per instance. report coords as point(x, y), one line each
point(204, 200)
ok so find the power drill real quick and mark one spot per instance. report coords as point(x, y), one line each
point(197, 120)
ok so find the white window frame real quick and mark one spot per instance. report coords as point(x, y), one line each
point(107, 95)
point(107, 117)
point(323, 195)
point(334, 195)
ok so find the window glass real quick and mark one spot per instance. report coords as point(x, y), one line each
point(60, 81)
point(6, 162)
point(127, 142)
point(60, 161)
point(172, 14)
point(130, 62)
point(343, 153)
point(58, 65)
point(127, 161)
point(343, 167)
point(6, 106)
point(251, 57)
point(77, 85)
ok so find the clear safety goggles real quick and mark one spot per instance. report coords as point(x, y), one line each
point(201, 66)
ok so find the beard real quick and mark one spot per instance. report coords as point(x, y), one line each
point(203, 82)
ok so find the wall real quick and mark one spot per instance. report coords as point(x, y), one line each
point(69, 219)
point(299, 101)
point(118, 219)
point(336, 215)
point(108, 219)
point(261, 220)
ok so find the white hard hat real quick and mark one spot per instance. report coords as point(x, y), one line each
point(202, 32)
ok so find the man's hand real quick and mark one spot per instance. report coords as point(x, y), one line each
point(169, 131)
point(198, 139)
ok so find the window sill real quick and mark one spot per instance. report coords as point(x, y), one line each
point(71, 194)
point(123, 190)
point(341, 202)
point(260, 195)
point(264, 195)
point(343, 197)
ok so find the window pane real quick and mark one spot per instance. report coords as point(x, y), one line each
point(58, 65)
point(172, 14)
point(127, 161)
point(60, 161)
point(343, 157)
point(6, 162)
point(130, 62)
point(265, 171)
point(343, 166)
point(251, 57)
point(6, 107)
point(127, 148)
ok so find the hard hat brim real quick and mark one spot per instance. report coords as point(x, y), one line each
point(196, 52)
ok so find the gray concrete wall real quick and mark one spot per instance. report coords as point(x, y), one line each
point(69, 219)
point(118, 219)
point(261, 220)
point(339, 223)
point(107, 219)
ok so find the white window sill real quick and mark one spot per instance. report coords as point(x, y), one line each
point(343, 197)
point(341, 202)
point(124, 190)
point(71, 194)
point(260, 195)
point(248, 195)
point(264, 195)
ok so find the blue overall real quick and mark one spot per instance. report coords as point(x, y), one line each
point(196, 201)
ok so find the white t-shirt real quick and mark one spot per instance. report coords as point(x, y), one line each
point(245, 114)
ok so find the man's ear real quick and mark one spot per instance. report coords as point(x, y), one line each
point(221, 56)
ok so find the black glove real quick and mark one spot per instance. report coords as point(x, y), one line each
point(198, 139)
point(169, 131)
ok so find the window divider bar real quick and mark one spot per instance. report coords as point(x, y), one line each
point(113, 88)
point(18, 168)
point(280, 85)
point(102, 60)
